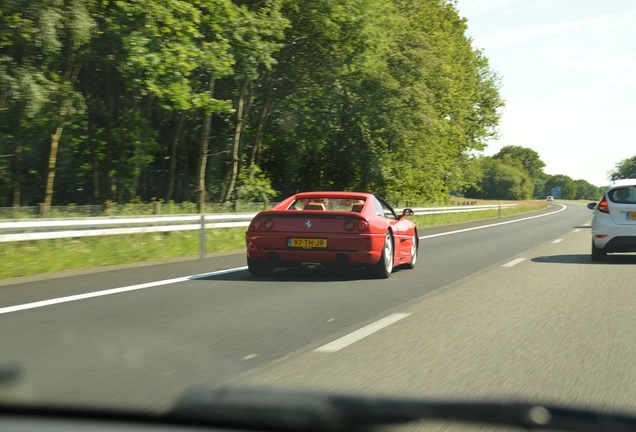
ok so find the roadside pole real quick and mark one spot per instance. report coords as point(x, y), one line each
point(202, 246)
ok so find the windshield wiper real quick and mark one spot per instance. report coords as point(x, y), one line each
point(266, 409)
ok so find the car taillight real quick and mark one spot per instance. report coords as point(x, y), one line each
point(255, 225)
point(602, 206)
point(350, 225)
point(268, 224)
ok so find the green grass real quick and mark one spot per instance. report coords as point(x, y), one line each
point(44, 256)
point(423, 221)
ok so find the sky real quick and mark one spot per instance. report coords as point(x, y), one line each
point(567, 72)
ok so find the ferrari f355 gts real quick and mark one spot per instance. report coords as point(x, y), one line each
point(332, 229)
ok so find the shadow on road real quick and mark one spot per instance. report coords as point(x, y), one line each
point(288, 275)
point(585, 259)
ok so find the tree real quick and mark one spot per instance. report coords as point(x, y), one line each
point(386, 96)
point(44, 43)
point(567, 184)
point(253, 184)
point(528, 159)
point(450, 100)
point(519, 158)
point(255, 41)
point(503, 181)
point(119, 100)
point(624, 169)
point(329, 101)
point(586, 190)
point(169, 50)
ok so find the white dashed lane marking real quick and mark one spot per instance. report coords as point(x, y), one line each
point(355, 336)
point(514, 262)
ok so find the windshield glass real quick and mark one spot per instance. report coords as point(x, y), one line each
point(369, 197)
point(327, 203)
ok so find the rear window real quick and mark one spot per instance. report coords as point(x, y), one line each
point(623, 195)
point(328, 204)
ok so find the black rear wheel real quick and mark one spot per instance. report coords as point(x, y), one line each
point(598, 254)
point(260, 268)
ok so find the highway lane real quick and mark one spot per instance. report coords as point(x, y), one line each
point(40, 287)
point(552, 328)
point(141, 348)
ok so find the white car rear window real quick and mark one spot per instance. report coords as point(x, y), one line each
point(623, 195)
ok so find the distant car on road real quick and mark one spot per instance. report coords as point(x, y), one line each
point(614, 221)
point(550, 198)
point(332, 229)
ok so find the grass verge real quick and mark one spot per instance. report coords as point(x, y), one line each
point(44, 256)
point(423, 221)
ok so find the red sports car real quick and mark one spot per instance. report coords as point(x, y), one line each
point(340, 229)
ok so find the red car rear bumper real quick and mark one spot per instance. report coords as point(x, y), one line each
point(359, 249)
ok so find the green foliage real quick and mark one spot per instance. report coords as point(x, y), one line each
point(587, 191)
point(526, 158)
point(44, 46)
point(517, 173)
point(503, 181)
point(254, 185)
point(624, 169)
point(387, 96)
point(25, 258)
point(515, 158)
point(567, 184)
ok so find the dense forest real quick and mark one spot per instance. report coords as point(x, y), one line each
point(218, 100)
point(208, 100)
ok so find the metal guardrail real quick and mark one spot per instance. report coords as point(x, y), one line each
point(46, 229)
point(457, 209)
point(109, 209)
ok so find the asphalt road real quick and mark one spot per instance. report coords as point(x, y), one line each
point(493, 309)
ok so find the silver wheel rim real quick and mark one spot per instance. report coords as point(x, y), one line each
point(388, 253)
point(414, 250)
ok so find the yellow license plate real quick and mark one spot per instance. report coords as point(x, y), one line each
point(307, 242)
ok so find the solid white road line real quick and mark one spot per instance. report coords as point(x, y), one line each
point(557, 241)
point(492, 225)
point(347, 340)
point(514, 262)
point(67, 299)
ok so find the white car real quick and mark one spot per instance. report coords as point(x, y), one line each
point(614, 221)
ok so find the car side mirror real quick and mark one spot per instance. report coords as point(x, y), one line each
point(591, 206)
